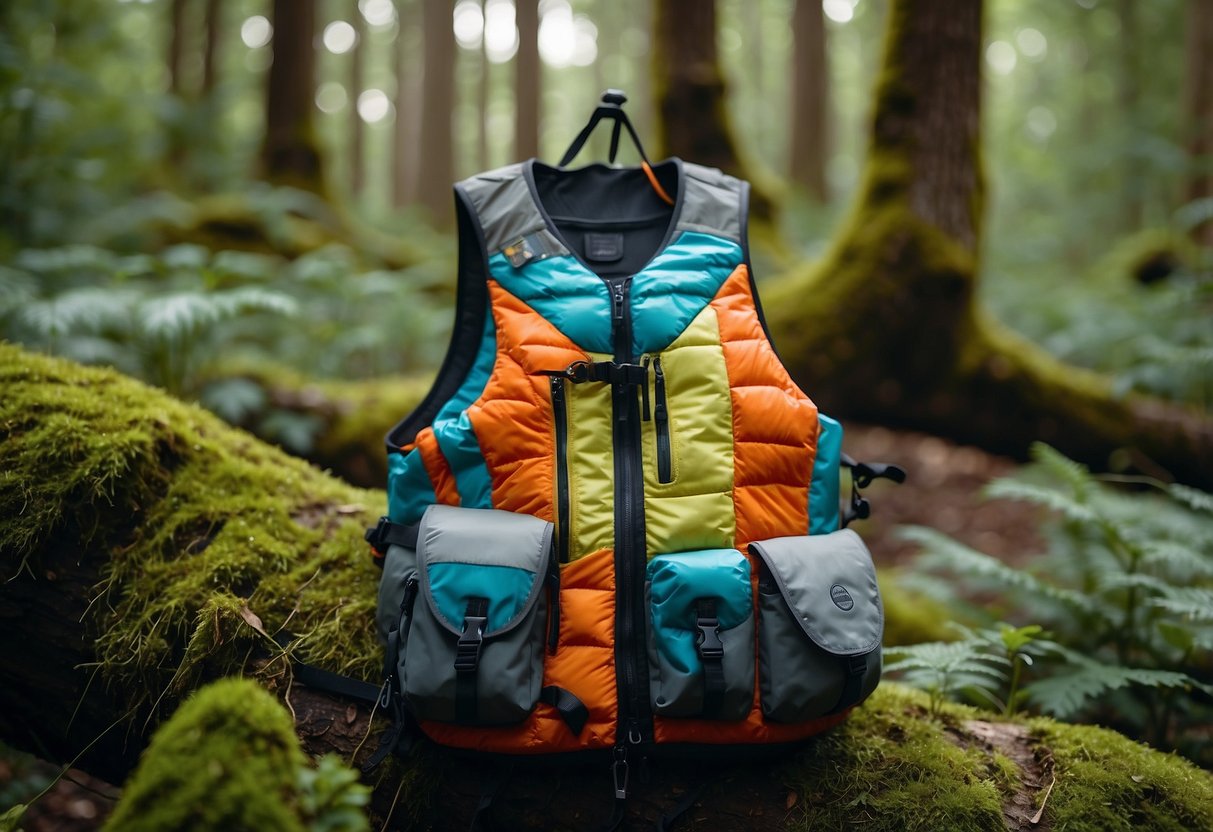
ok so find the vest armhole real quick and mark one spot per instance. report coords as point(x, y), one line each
point(471, 306)
point(743, 219)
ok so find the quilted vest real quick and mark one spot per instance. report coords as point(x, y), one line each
point(616, 478)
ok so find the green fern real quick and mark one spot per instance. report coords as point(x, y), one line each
point(1126, 589)
point(946, 668)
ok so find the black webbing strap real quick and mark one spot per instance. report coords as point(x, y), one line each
point(855, 668)
point(611, 107)
point(467, 658)
point(386, 533)
point(327, 681)
point(606, 371)
point(571, 709)
point(711, 653)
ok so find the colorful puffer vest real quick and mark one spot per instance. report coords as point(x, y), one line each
point(645, 549)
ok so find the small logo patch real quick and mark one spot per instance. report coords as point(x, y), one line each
point(841, 598)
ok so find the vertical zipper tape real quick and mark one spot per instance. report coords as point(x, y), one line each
point(661, 421)
point(561, 418)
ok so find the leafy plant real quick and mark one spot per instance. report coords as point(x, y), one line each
point(331, 797)
point(1125, 590)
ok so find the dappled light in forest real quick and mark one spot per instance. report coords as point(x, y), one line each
point(982, 238)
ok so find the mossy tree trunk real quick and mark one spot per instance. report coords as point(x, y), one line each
point(693, 120)
point(887, 328)
point(809, 139)
point(145, 548)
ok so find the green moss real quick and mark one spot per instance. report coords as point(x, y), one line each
point(1106, 783)
point(192, 524)
point(228, 759)
point(891, 768)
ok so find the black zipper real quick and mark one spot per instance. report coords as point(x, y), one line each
point(635, 716)
point(661, 421)
point(561, 417)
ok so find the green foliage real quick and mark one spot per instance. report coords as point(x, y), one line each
point(1125, 589)
point(179, 318)
point(944, 668)
point(331, 798)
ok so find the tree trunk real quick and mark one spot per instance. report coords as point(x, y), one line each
point(290, 150)
point(357, 83)
point(887, 328)
point(528, 85)
point(436, 167)
point(1133, 185)
point(693, 121)
point(482, 99)
point(211, 55)
point(1199, 95)
point(176, 47)
point(168, 549)
point(405, 133)
point(809, 144)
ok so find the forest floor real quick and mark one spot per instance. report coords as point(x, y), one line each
point(942, 490)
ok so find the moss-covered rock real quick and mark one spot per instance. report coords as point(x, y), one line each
point(228, 759)
point(196, 529)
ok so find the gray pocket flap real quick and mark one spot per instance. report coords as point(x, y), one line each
point(829, 584)
point(465, 553)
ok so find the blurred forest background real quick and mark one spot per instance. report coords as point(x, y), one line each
point(248, 203)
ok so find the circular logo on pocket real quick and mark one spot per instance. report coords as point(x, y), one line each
point(841, 598)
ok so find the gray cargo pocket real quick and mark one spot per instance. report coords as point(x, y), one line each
point(473, 650)
point(701, 634)
point(820, 625)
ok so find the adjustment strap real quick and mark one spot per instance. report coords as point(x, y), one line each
point(854, 667)
point(571, 709)
point(327, 681)
point(711, 653)
point(606, 371)
point(467, 658)
point(386, 533)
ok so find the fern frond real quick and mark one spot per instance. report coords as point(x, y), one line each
point(945, 551)
point(1071, 689)
point(1041, 495)
point(1074, 474)
point(1133, 580)
point(1176, 560)
point(1192, 497)
point(1191, 603)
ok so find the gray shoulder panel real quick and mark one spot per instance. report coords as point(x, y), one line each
point(713, 203)
point(504, 207)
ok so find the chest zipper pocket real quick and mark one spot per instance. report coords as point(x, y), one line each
point(560, 419)
point(660, 415)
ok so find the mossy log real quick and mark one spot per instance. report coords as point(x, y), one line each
point(887, 327)
point(147, 547)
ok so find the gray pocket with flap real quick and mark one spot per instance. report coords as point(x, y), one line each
point(820, 625)
point(473, 650)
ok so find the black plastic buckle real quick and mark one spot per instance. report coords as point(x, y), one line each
point(467, 649)
point(707, 640)
point(374, 535)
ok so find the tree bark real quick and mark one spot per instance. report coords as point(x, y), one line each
point(693, 121)
point(1133, 185)
point(176, 47)
point(809, 145)
point(1199, 115)
point(357, 82)
point(210, 57)
point(436, 167)
point(528, 83)
point(405, 133)
point(482, 99)
point(887, 329)
point(290, 150)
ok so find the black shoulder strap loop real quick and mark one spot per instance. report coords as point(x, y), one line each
point(611, 107)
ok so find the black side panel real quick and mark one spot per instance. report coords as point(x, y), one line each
point(471, 305)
